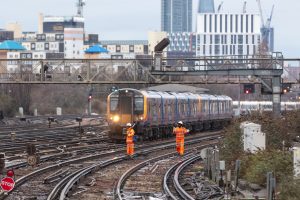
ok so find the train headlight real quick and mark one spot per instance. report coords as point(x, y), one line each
point(141, 118)
point(116, 118)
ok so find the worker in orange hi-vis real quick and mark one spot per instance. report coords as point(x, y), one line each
point(180, 131)
point(129, 139)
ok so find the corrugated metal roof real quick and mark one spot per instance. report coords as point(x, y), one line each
point(178, 88)
point(96, 49)
point(11, 45)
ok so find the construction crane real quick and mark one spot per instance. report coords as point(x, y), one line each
point(268, 24)
point(220, 6)
point(261, 13)
point(80, 5)
point(265, 30)
point(245, 7)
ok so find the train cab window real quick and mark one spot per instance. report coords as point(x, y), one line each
point(138, 105)
point(113, 104)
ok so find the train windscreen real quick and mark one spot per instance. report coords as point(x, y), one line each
point(138, 105)
point(114, 103)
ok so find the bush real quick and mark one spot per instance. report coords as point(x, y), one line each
point(256, 166)
point(232, 146)
point(289, 189)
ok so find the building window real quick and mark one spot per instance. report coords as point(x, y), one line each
point(217, 49)
point(217, 39)
point(236, 23)
point(210, 23)
point(216, 23)
point(118, 48)
point(247, 49)
point(221, 23)
point(203, 49)
point(226, 23)
point(240, 39)
point(242, 23)
point(205, 24)
point(210, 39)
point(247, 23)
point(204, 39)
point(231, 23)
point(252, 21)
point(253, 38)
point(247, 38)
point(131, 48)
point(240, 49)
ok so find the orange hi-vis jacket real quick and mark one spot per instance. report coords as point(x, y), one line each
point(180, 132)
point(130, 134)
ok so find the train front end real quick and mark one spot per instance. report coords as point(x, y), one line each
point(124, 106)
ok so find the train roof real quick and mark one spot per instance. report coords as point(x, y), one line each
point(178, 88)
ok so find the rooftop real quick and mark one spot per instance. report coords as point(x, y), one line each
point(11, 45)
point(178, 88)
point(96, 49)
point(124, 42)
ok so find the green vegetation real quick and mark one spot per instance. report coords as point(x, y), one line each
point(254, 167)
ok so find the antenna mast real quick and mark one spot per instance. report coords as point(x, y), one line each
point(80, 5)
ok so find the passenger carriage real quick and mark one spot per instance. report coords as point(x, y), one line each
point(154, 113)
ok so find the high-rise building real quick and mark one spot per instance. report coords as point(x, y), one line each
point(206, 6)
point(176, 15)
point(228, 34)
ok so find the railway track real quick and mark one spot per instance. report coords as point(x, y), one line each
point(185, 181)
point(77, 167)
point(115, 165)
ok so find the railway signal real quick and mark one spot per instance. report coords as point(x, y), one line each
point(249, 88)
point(10, 173)
point(286, 87)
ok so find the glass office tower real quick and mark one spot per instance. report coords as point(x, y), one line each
point(176, 15)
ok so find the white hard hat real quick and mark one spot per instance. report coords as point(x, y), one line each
point(180, 122)
point(128, 124)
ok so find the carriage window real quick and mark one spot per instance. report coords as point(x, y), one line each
point(113, 104)
point(138, 105)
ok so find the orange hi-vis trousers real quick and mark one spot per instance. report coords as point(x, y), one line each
point(180, 131)
point(130, 148)
point(180, 145)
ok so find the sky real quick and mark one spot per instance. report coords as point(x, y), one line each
point(132, 19)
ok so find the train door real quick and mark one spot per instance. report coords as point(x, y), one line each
point(126, 106)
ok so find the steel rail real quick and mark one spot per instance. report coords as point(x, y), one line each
point(177, 185)
point(167, 176)
point(96, 167)
point(27, 177)
point(131, 171)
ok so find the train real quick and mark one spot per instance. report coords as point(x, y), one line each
point(154, 113)
point(266, 106)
